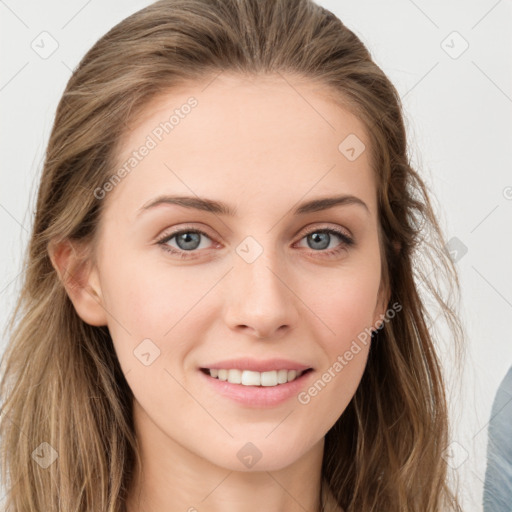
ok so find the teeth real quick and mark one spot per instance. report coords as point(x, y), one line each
point(282, 376)
point(235, 376)
point(250, 378)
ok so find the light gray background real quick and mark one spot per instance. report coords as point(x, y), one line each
point(458, 112)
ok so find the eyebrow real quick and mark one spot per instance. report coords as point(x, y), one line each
point(220, 208)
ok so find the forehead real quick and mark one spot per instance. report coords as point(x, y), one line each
point(274, 137)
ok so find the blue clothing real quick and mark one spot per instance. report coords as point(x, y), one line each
point(498, 474)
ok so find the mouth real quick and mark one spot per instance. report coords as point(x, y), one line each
point(256, 379)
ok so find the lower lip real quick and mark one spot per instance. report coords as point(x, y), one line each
point(258, 396)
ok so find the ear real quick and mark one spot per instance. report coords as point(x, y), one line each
point(80, 279)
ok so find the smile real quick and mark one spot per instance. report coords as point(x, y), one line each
point(253, 378)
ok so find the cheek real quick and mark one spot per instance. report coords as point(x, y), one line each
point(352, 311)
point(140, 288)
point(348, 310)
point(151, 322)
point(148, 302)
point(351, 315)
point(346, 302)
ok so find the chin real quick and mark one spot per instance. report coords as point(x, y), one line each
point(251, 456)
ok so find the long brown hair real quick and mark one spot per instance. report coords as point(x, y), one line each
point(62, 383)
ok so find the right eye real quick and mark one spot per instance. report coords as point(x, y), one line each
point(187, 241)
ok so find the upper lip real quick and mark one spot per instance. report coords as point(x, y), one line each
point(255, 365)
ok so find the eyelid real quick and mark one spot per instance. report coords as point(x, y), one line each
point(314, 228)
point(169, 235)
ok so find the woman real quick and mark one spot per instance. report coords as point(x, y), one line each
point(221, 308)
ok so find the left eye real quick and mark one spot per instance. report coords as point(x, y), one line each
point(321, 239)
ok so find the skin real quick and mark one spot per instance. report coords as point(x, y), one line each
point(260, 146)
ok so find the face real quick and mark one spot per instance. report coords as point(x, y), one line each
point(250, 274)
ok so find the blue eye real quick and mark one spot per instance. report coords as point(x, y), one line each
point(188, 241)
point(322, 238)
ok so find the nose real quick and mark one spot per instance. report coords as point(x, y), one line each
point(260, 299)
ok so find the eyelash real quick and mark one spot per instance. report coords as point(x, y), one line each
point(346, 242)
